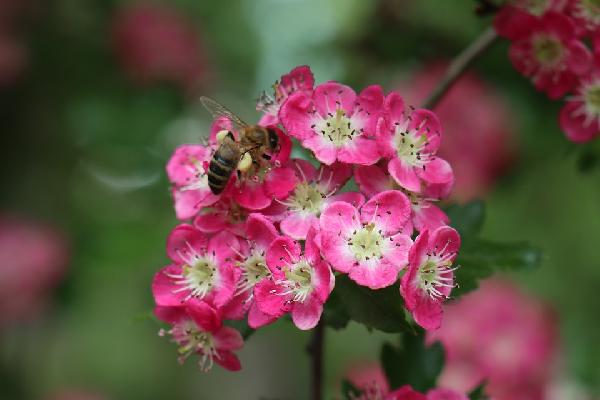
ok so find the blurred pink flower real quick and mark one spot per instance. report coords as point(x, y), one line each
point(13, 52)
point(155, 43)
point(479, 143)
point(500, 336)
point(33, 258)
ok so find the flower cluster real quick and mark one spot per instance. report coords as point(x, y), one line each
point(549, 44)
point(371, 381)
point(501, 337)
point(271, 242)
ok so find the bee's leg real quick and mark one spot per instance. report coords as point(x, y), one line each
point(221, 135)
point(245, 162)
point(266, 157)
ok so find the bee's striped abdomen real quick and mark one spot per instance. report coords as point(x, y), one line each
point(220, 170)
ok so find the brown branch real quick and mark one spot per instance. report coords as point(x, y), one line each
point(459, 65)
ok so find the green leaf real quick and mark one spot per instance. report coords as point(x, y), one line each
point(380, 309)
point(334, 313)
point(349, 391)
point(412, 363)
point(478, 393)
point(480, 258)
point(467, 219)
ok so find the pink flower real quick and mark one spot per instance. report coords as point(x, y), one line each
point(585, 14)
point(372, 245)
point(33, 259)
point(445, 394)
point(260, 233)
point(154, 43)
point(549, 52)
point(197, 328)
point(580, 116)
point(410, 142)
point(313, 192)
point(202, 268)
point(373, 179)
point(501, 336)
point(335, 123)
point(479, 144)
point(299, 79)
point(187, 172)
point(514, 20)
point(430, 276)
point(300, 284)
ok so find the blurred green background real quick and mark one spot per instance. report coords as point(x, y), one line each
point(84, 147)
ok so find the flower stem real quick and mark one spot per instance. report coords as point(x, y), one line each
point(459, 65)
point(315, 349)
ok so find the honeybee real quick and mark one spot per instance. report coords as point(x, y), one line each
point(255, 144)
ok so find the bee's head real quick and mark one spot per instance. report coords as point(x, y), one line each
point(273, 139)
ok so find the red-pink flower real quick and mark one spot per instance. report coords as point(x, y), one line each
point(585, 13)
point(301, 281)
point(547, 50)
point(33, 258)
point(315, 189)
point(500, 336)
point(370, 245)
point(334, 122)
point(372, 179)
point(430, 276)
point(580, 116)
point(252, 264)
point(187, 172)
point(410, 142)
point(154, 43)
point(197, 328)
point(202, 268)
point(479, 144)
point(298, 79)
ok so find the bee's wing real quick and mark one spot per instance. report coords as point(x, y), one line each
point(218, 110)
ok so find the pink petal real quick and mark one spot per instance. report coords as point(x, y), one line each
point(182, 240)
point(164, 287)
point(445, 394)
point(306, 315)
point(404, 175)
point(513, 23)
point(224, 290)
point(437, 171)
point(228, 339)
point(394, 108)
point(189, 202)
point(180, 168)
point(375, 274)
point(427, 312)
point(323, 280)
point(372, 179)
point(574, 125)
point(224, 246)
point(399, 248)
point(211, 221)
point(406, 392)
point(236, 308)
point(339, 217)
point(257, 318)
point(354, 198)
point(330, 96)
point(334, 176)
point(369, 105)
point(229, 361)
point(282, 156)
point(283, 251)
point(335, 250)
point(430, 217)
point(171, 315)
point(252, 195)
point(388, 210)
point(446, 238)
point(296, 224)
point(361, 151)
point(384, 138)
point(279, 182)
point(295, 115)
point(426, 122)
point(304, 170)
point(270, 299)
point(324, 150)
point(260, 230)
point(312, 251)
point(580, 58)
point(204, 316)
point(299, 78)
point(220, 124)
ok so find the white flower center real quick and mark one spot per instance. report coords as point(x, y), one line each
point(306, 199)
point(338, 128)
point(433, 273)
point(198, 275)
point(200, 177)
point(410, 145)
point(254, 269)
point(592, 99)
point(548, 51)
point(366, 243)
point(192, 340)
point(298, 281)
point(535, 7)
